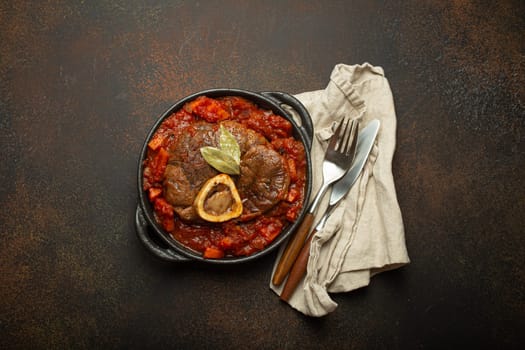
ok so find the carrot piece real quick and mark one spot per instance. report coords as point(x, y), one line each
point(165, 212)
point(292, 170)
point(164, 155)
point(168, 224)
point(156, 142)
point(293, 193)
point(208, 109)
point(154, 192)
point(159, 164)
point(226, 242)
point(213, 253)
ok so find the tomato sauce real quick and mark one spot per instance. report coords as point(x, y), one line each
point(234, 237)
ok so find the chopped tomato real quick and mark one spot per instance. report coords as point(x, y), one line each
point(293, 193)
point(292, 213)
point(213, 253)
point(168, 224)
point(156, 142)
point(165, 213)
point(292, 169)
point(270, 229)
point(208, 109)
point(226, 242)
point(154, 192)
point(159, 163)
point(257, 243)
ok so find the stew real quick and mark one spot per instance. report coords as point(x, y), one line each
point(269, 186)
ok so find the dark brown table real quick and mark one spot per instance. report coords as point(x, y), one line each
point(81, 83)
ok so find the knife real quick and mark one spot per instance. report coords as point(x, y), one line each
point(340, 189)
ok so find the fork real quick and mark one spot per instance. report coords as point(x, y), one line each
point(337, 161)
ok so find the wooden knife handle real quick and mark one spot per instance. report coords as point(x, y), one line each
point(292, 250)
point(298, 270)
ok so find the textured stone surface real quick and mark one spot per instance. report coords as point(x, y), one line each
point(82, 82)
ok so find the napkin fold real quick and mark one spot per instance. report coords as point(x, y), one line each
point(365, 234)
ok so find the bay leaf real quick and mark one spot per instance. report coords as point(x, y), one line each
point(220, 160)
point(229, 144)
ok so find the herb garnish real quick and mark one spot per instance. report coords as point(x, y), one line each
point(226, 158)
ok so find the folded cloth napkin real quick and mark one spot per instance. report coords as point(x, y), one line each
point(365, 234)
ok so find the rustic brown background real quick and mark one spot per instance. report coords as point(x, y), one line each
point(81, 83)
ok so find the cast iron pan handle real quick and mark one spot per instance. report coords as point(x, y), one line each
point(306, 121)
point(143, 232)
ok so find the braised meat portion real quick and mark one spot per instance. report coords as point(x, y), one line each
point(181, 185)
point(264, 180)
point(246, 138)
point(177, 186)
point(262, 183)
point(187, 170)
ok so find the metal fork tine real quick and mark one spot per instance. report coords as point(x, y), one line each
point(350, 150)
point(335, 137)
point(347, 136)
point(343, 139)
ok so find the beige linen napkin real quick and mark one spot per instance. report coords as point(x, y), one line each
point(365, 234)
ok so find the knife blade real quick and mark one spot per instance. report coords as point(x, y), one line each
point(340, 189)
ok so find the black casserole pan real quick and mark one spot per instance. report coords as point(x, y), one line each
point(161, 243)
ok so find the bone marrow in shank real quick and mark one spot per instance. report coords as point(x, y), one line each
point(218, 200)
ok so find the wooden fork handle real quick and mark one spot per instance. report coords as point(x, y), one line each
point(292, 250)
point(298, 270)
